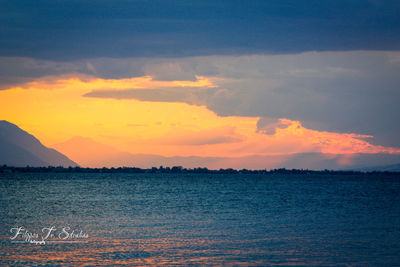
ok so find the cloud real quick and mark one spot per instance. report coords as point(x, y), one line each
point(18, 70)
point(348, 92)
point(177, 94)
point(55, 109)
point(270, 125)
point(292, 137)
point(353, 92)
point(212, 136)
point(88, 29)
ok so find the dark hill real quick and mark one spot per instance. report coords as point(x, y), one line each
point(19, 148)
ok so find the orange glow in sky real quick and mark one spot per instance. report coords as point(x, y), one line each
point(54, 110)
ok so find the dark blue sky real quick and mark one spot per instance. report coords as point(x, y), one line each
point(66, 30)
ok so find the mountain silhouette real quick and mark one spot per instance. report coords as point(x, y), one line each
point(97, 155)
point(384, 168)
point(89, 153)
point(19, 148)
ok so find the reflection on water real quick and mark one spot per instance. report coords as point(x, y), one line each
point(156, 219)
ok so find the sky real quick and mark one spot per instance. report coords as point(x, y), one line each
point(205, 78)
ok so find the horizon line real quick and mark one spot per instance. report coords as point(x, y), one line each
point(179, 169)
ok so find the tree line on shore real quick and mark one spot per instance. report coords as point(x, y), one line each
point(180, 169)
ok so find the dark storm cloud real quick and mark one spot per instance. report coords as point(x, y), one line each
point(351, 92)
point(270, 125)
point(66, 30)
point(16, 70)
point(188, 95)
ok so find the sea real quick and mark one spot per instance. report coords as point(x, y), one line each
point(194, 219)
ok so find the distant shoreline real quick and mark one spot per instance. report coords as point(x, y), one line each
point(179, 169)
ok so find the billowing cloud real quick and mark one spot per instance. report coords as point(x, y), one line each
point(180, 94)
point(348, 92)
point(270, 125)
point(354, 92)
point(55, 110)
point(18, 70)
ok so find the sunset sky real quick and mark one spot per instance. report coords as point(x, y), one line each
point(204, 78)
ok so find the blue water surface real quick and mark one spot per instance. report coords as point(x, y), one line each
point(201, 219)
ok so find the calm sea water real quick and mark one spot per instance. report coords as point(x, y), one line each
point(200, 219)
